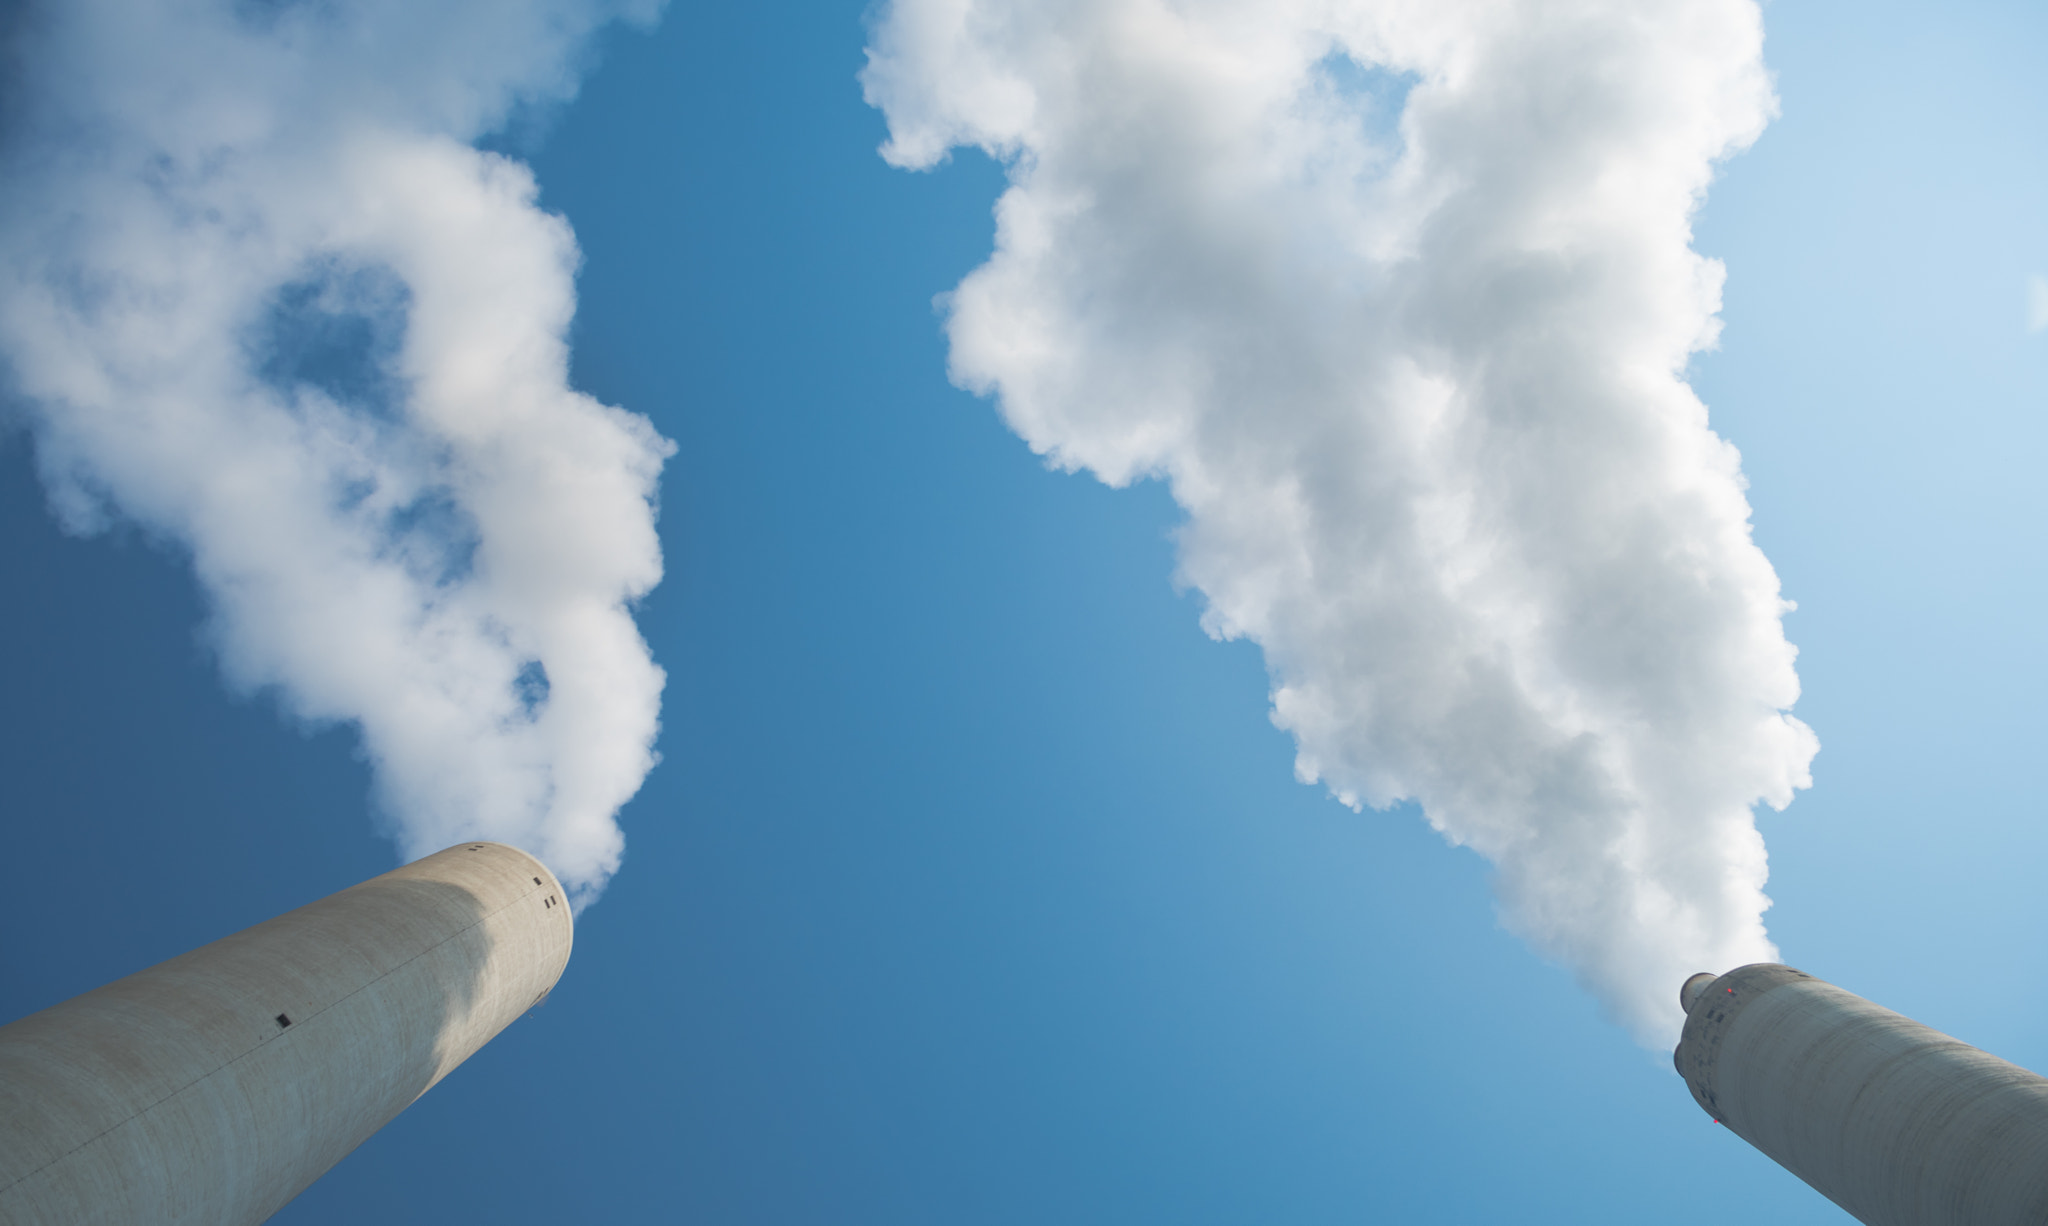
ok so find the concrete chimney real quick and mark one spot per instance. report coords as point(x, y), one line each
point(1897, 1123)
point(213, 1088)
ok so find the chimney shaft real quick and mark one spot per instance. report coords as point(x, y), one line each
point(1897, 1123)
point(216, 1086)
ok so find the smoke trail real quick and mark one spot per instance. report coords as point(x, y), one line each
point(265, 299)
point(1398, 297)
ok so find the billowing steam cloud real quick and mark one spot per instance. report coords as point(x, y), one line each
point(1398, 296)
point(264, 298)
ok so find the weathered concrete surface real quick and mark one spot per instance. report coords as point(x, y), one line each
point(1897, 1123)
point(214, 1087)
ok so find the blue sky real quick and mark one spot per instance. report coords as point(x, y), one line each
point(974, 884)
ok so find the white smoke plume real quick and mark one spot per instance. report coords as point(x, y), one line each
point(1398, 297)
point(263, 296)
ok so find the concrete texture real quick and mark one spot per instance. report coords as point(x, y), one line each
point(1897, 1123)
point(214, 1087)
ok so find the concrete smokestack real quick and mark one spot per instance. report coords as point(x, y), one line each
point(1897, 1123)
point(213, 1088)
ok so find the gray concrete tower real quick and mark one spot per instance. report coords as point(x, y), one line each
point(1897, 1123)
point(212, 1088)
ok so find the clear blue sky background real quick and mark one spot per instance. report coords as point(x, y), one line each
point(975, 887)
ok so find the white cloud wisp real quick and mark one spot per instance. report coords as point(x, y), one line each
point(1398, 297)
point(261, 295)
